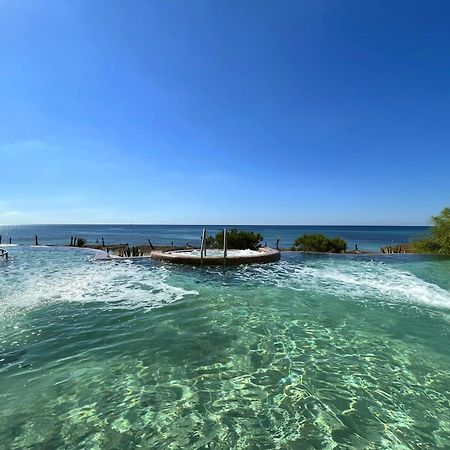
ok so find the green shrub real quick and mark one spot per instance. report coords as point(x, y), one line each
point(439, 240)
point(211, 242)
point(240, 240)
point(320, 243)
point(337, 245)
point(311, 243)
point(81, 242)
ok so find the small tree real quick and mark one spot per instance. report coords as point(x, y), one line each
point(439, 241)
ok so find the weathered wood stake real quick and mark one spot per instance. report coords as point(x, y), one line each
point(36, 239)
point(202, 248)
point(225, 246)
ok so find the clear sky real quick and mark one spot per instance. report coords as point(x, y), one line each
point(292, 112)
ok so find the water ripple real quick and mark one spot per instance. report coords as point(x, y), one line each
point(291, 355)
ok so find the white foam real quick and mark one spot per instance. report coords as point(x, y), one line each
point(356, 279)
point(219, 253)
point(37, 278)
point(101, 255)
point(120, 285)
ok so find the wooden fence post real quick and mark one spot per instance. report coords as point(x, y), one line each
point(203, 245)
point(225, 246)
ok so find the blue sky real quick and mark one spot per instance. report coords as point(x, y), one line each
point(302, 112)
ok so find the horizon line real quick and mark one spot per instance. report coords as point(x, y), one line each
point(209, 224)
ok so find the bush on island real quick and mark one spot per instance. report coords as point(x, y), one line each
point(320, 243)
point(81, 242)
point(337, 245)
point(439, 239)
point(240, 240)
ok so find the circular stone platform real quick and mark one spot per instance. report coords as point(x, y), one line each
point(215, 257)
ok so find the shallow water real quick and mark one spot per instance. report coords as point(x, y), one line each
point(315, 351)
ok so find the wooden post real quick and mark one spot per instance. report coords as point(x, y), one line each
point(103, 242)
point(0, 239)
point(71, 241)
point(36, 239)
point(225, 246)
point(10, 241)
point(203, 245)
point(278, 243)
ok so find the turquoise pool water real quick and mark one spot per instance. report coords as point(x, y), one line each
point(316, 351)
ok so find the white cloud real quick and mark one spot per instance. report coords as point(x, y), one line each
point(9, 213)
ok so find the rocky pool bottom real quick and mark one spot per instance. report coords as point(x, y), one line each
point(315, 351)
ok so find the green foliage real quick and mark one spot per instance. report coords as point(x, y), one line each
point(81, 242)
point(311, 243)
point(240, 240)
point(211, 242)
point(439, 241)
point(320, 243)
point(337, 245)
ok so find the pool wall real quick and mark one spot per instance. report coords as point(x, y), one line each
point(265, 255)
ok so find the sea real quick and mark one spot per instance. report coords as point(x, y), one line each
point(316, 351)
point(369, 238)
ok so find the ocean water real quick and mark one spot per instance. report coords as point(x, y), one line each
point(312, 352)
point(367, 237)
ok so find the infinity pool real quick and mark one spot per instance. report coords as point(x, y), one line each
point(312, 352)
